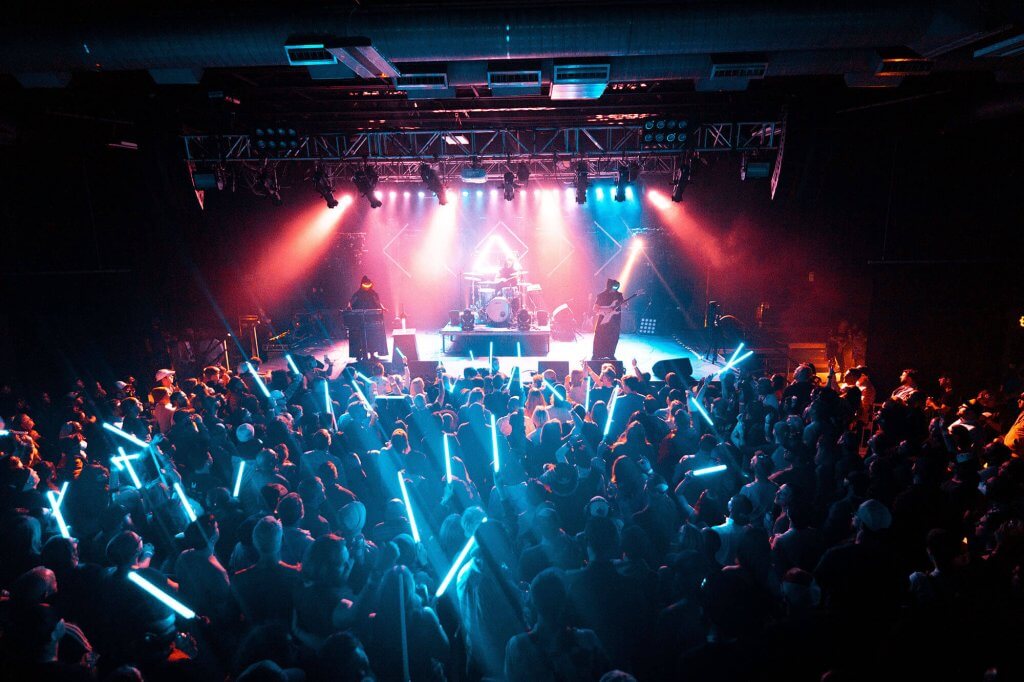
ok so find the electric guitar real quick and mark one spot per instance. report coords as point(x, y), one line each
point(603, 314)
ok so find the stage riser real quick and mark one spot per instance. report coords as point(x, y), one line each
point(504, 344)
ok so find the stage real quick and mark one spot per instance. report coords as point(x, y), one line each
point(430, 347)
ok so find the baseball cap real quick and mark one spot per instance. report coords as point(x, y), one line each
point(161, 373)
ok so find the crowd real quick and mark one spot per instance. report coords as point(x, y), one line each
point(597, 526)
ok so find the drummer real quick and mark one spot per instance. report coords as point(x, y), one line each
point(508, 274)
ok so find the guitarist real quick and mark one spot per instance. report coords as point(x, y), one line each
point(607, 321)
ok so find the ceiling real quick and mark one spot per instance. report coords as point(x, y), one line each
point(224, 68)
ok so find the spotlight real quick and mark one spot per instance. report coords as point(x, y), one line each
point(365, 179)
point(524, 320)
point(433, 183)
point(621, 182)
point(523, 173)
point(271, 188)
point(324, 185)
point(510, 186)
point(680, 178)
point(581, 183)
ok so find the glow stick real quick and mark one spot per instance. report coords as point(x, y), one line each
point(709, 470)
point(161, 596)
point(238, 478)
point(184, 502)
point(127, 462)
point(355, 385)
point(259, 381)
point(494, 443)
point(590, 384)
point(55, 508)
point(4, 432)
point(408, 508)
point(733, 358)
point(702, 412)
point(471, 358)
point(127, 436)
point(447, 459)
point(327, 399)
point(62, 493)
point(291, 363)
point(455, 567)
point(399, 350)
point(732, 363)
point(611, 410)
point(490, 356)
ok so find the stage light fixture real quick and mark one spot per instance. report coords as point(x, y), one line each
point(510, 185)
point(271, 187)
point(523, 173)
point(433, 183)
point(365, 180)
point(680, 178)
point(325, 186)
point(524, 320)
point(621, 182)
point(581, 182)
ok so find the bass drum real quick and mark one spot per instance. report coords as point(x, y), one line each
point(498, 310)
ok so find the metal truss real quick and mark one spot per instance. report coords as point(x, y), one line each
point(549, 152)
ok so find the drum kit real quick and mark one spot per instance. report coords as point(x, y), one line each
point(499, 302)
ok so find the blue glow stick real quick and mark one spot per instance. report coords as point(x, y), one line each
point(590, 384)
point(735, 361)
point(55, 508)
point(471, 358)
point(611, 410)
point(161, 596)
point(455, 566)
point(62, 493)
point(709, 470)
point(127, 436)
point(355, 385)
point(704, 414)
point(189, 511)
point(490, 356)
point(127, 462)
point(327, 399)
point(399, 351)
point(238, 478)
point(408, 508)
point(291, 363)
point(4, 432)
point(733, 358)
point(447, 459)
point(259, 381)
point(494, 443)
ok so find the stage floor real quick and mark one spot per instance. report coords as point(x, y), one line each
point(645, 349)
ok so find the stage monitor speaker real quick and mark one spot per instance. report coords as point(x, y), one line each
point(596, 365)
point(424, 369)
point(560, 367)
point(681, 366)
point(405, 341)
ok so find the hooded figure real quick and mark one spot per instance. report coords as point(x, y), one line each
point(608, 321)
point(365, 297)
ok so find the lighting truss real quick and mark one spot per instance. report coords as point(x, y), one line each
point(540, 153)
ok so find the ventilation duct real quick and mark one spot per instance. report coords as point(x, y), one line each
point(514, 83)
point(579, 81)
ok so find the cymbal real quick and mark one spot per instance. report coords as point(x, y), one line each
point(519, 273)
point(471, 278)
point(478, 275)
